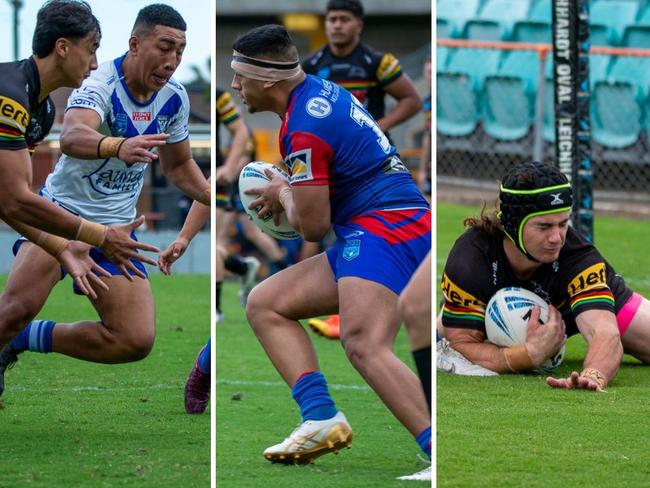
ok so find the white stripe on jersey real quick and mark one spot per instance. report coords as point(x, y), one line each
point(106, 190)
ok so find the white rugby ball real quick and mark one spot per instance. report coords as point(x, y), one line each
point(506, 321)
point(253, 176)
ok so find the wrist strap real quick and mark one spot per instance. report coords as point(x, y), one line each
point(108, 147)
point(52, 244)
point(518, 359)
point(91, 233)
point(595, 375)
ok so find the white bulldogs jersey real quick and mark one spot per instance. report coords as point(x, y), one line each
point(106, 190)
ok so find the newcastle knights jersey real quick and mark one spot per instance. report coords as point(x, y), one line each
point(579, 280)
point(364, 72)
point(24, 122)
point(106, 190)
point(328, 138)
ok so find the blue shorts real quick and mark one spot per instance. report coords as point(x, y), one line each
point(384, 246)
point(98, 256)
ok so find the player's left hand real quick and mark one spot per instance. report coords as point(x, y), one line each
point(269, 197)
point(171, 254)
point(76, 260)
point(574, 382)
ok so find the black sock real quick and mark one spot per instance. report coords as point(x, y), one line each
point(218, 297)
point(236, 264)
point(422, 359)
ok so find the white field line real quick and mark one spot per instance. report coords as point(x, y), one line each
point(100, 389)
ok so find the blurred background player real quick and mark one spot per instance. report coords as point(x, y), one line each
point(197, 386)
point(226, 177)
point(65, 40)
point(343, 172)
point(103, 129)
point(369, 75)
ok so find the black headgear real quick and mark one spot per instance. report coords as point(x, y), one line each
point(530, 189)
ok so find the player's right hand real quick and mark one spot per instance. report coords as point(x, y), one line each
point(171, 254)
point(137, 149)
point(120, 248)
point(77, 262)
point(544, 340)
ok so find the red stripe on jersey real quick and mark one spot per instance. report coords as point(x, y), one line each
point(309, 159)
point(396, 226)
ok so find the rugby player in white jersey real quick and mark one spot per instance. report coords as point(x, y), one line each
point(100, 177)
point(65, 40)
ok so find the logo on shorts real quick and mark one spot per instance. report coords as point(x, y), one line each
point(351, 249)
point(319, 107)
point(355, 233)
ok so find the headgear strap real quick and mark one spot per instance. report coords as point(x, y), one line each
point(264, 69)
point(518, 206)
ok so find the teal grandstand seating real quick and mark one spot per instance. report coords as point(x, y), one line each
point(510, 96)
point(601, 35)
point(637, 36)
point(505, 12)
point(444, 28)
point(531, 31)
point(617, 100)
point(540, 10)
point(459, 90)
point(442, 54)
point(456, 12)
point(615, 14)
point(617, 114)
point(484, 30)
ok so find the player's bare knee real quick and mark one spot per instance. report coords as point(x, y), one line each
point(15, 315)
point(257, 305)
point(138, 347)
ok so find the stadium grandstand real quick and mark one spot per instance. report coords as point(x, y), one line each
point(495, 97)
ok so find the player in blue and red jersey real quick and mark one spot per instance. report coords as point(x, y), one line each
point(343, 172)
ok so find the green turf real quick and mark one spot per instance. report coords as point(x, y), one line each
point(68, 423)
point(516, 431)
point(255, 410)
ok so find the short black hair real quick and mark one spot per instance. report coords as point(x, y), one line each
point(354, 6)
point(158, 14)
point(271, 40)
point(70, 19)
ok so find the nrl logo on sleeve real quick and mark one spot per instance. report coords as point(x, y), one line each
point(299, 166)
point(13, 114)
point(319, 107)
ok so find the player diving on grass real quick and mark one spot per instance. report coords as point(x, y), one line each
point(127, 105)
point(343, 172)
point(197, 386)
point(65, 40)
point(527, 242)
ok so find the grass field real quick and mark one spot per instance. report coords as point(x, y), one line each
point(513, 431)
point(255, 410)
point(68, 423)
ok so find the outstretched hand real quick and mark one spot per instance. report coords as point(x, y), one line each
point(574, 382)
point(171, 254)
point(82, 268)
